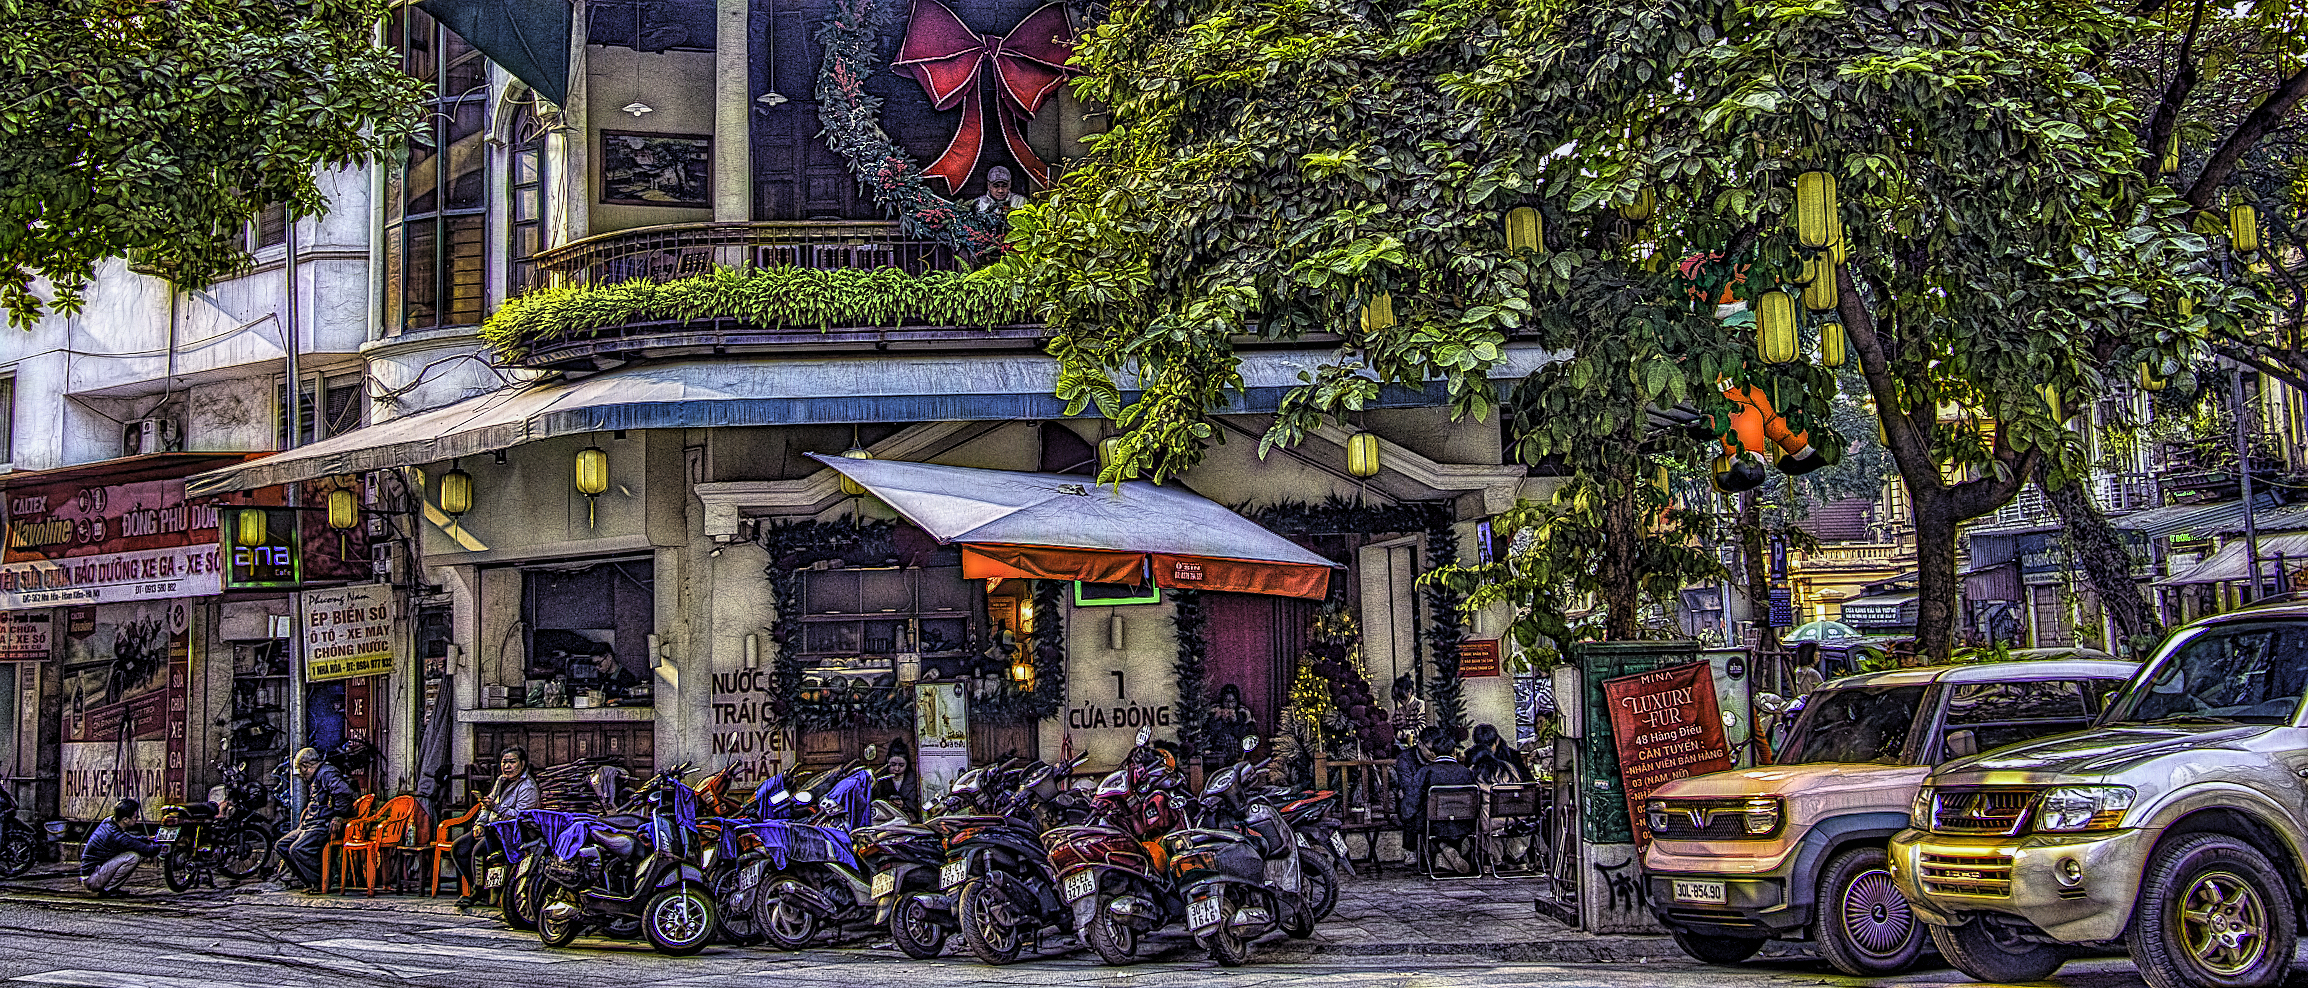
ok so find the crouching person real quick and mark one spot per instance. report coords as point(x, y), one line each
point(113, 851)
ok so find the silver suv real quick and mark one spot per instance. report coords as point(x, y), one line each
point(2174, 828)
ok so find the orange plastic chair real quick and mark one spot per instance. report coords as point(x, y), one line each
point(386, 829)
point(444, 845)
point(334, 849)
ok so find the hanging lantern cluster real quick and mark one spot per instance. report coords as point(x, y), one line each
point(1362, 454)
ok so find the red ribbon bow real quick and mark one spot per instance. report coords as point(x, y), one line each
point(1029, 64)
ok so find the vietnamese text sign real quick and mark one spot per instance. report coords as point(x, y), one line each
point(746, 733)
point(24, 635)
point(112, 578)
point(71, 542)
point(348, 632)
point(1666, 726)
point(1478, 658)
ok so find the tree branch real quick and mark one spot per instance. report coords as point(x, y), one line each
point(1910, 448)
point(2166, 119)
point(2255, 126)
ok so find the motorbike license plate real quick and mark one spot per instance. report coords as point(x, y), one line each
point(1338, 843)
point(164, 835)
point(1706, 892)
point(495, 877)
point(954, 873)
point(1201, 914)
point(885, 884)
point(1081, 885)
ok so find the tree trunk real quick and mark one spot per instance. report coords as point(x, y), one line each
point(2107, 564)
point(1936, 587)
point(1754, 570)
point(1622, 541)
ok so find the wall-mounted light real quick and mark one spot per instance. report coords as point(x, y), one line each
point(1022, 670)
point(753, 651)
point(1117, 634)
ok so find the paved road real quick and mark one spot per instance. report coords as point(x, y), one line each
point(233, 942)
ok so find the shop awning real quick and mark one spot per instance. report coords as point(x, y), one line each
point(2232, 564)
point(2194, 520)
point(757, 391)
point(528, 38)
point(1065, 527)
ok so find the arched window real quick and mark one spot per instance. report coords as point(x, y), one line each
point(525, 196)
point(436, 204)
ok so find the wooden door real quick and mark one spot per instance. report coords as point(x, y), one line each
point(795, 176)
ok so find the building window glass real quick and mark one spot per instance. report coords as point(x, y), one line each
point(271, 226)
point(588, 636)
point(525, 192)
point(435, 205)
point(7, 420)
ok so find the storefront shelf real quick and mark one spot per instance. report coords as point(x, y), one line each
point(550, 715)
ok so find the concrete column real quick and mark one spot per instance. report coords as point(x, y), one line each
point(732, 115)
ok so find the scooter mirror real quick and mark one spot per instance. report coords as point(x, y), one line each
point(1145, 734)
point(1249, 744)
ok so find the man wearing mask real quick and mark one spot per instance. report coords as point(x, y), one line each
point(328, 804)
point(514, 792)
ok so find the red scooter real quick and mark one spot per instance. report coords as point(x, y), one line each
point(1111, 870)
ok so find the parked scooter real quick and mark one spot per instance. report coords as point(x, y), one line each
point(222, 835)
point(1239, 872)
point(1109, 869)
point(19, 842)
point(1313, 817)
point(623, 875)
point(1009, 895)
point(818, 883)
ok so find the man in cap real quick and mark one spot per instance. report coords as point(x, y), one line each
point(328, 804)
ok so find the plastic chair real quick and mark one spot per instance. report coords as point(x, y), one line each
point(1452, 804)
point(386, 830)
point(1514, 814)
point(444, 845)
point(334, 849)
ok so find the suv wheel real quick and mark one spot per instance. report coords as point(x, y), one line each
point(1991, 952)
point(2213, 913)
point(1865, 926)
point(1714, 949)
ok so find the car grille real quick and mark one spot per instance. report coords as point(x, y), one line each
point(1967, 874)
point(1986, 812)
point(1718, 819)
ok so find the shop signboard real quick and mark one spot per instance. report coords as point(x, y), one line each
point(24, 636)
point(271, 561)
point(746, 733)
point(72, 542)
point(941, 735)
point(126, 673)
point(1667, 726)
point(348, 632)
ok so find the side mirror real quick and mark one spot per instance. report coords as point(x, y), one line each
point(1249, 744)
point(1145, 734)
point(1962, 743)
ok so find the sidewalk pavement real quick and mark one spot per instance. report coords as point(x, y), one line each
point(1391, 916)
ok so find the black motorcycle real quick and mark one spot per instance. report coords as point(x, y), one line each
point(19, 842)
point(624, 876)
point(1239, 871)
point(222, 835)
point(1009, 895)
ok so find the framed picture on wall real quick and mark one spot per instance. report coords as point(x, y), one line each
point(656, 169)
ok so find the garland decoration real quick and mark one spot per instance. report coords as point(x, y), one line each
point(1446, 625)
point(852, 121)
point(1047, 649)
point(794, 547)
point(1190, 670)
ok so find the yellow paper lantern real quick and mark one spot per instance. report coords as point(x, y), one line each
point(2052, 401)
point(1815, 209)
point(249, 527)
point(853, 488)
point(344, 509)
point(1840, 250)
point(2150, 380)
point(1526, 229)
point(1642, 207)
point(1833, 347)
point(1022, 671)
point(1362, 454)
point(1820, 295)
point(2243, 228)
point(1775, 335)
point(2170, 164)
point(1378, 313)
point(1109, 448)
point(456, 491)
point(592, 471)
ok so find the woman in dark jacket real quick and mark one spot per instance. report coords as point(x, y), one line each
point(1493, 760)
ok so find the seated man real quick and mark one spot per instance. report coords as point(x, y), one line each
point(328, 804)
point(113, 852)
point(1444, 770)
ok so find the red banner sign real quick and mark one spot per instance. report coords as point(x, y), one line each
point(1478, 658)
point(1666, 726)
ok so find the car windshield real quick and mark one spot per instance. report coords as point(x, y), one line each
point(1854, 724)
point(2248, 674)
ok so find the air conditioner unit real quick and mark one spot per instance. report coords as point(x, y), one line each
point(156, 435)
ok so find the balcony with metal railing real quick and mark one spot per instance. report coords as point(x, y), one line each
point(708, 288)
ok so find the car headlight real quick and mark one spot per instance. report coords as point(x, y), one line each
point(1919, 812)
point(1762, 815)
point(1655, 816)
point(2064, 809)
